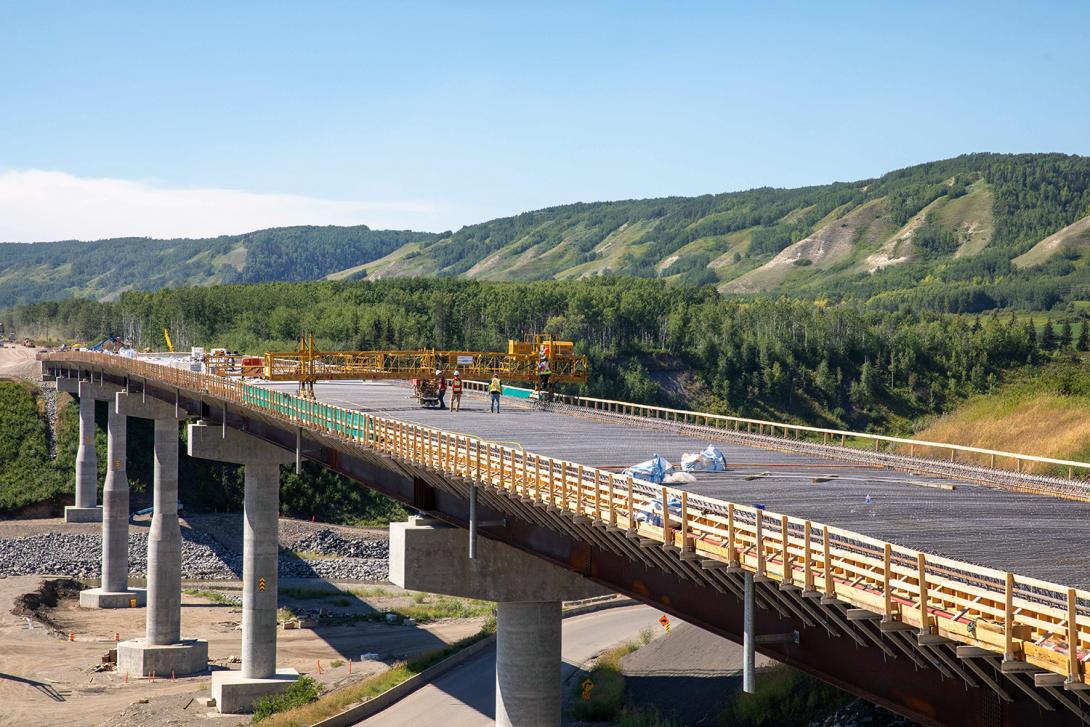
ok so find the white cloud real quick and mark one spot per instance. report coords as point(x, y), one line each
point(46, 205)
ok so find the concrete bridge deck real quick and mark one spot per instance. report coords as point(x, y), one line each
point(1037, 536)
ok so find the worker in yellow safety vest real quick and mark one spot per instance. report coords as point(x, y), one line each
point(495, 388)
point(543, 374)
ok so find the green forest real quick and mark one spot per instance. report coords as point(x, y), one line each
point(843, 364)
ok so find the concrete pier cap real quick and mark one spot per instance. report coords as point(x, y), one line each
point(426, 555)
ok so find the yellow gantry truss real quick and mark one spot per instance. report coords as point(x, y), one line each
point(520, 363)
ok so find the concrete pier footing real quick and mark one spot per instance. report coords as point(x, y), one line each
point(183, 658)
point(236, 694)
point(104, 598)
point(236, 691)
point(73, 514)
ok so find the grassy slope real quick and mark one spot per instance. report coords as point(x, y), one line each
point(1042, 410)
point(27, 475)
point(1075, 237)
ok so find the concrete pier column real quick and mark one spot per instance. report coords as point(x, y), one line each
point(259, 561)
point(528, 664)
point(115, 508)
point(86, 456)
point(235, 692)
point(163, 652)
point(85, 509)
point(114, 591)
point(164, 622)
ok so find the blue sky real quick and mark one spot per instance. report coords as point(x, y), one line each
point(199, 118)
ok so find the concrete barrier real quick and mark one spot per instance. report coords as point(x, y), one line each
point(371, 707)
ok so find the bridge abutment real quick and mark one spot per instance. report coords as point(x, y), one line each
point(428, 556)
point(162, 651)
point(235, 692)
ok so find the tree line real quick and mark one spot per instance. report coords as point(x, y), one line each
point(808, 360)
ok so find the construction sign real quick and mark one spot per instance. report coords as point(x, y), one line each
point(665, 622)
point(587, 685)
point(261, 584)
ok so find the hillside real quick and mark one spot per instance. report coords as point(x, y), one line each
point(105, 268)
point(1044, 411)
point(965, 234)
point(973, 233)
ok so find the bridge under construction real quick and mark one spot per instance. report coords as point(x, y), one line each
point(945, 583)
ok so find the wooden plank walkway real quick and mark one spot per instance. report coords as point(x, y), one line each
point(1034, 535)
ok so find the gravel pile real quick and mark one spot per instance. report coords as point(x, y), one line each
point(203, 558)
point(328, 542)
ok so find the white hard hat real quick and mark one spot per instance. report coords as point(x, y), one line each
point(438, 372)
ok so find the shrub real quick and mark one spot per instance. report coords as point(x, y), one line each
point(304, 691)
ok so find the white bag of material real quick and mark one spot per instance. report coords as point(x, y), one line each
point(679, 478)
point(690, 462)
point(710, 460)
point(713, 459)
point(653, 470)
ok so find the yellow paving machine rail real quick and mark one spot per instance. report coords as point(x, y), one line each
point(523, 361)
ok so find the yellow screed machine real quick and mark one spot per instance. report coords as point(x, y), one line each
point(523, 361)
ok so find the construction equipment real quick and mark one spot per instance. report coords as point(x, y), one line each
point(28, 343)
point(521, 362)
point(111, 344)
point(166, 335)
point(426, 392)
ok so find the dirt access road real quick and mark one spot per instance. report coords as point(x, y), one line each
point(19, 362)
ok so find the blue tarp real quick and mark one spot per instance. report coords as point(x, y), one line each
point(652, 513)
point(653, 470)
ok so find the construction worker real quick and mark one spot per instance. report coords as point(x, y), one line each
point(456, 392)
point(441, 385)
point(543, 374)
point(495, 388)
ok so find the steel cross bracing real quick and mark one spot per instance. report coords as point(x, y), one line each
point(938, 612)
